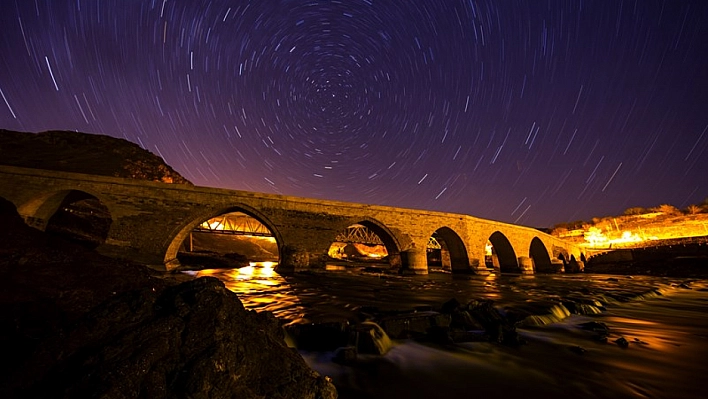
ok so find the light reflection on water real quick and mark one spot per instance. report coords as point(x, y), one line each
point(259, 287)
point(338, 293)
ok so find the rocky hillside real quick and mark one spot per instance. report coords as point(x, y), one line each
point(639, 227)
point(84, 153)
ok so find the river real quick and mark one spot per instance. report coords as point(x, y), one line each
point(664, 320)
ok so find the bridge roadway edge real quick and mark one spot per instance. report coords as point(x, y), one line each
point(150, 219)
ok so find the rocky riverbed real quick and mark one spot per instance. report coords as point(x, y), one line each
point(442, 335)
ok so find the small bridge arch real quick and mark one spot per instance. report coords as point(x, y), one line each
point(540, 255)
point(40, 209)
point(504, 252)
point(78, 215)
point(455, 247)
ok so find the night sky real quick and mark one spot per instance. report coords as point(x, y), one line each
point(531, 112)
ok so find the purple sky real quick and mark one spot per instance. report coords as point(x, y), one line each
point(532, 112)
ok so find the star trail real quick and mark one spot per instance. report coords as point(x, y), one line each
point(530, 112)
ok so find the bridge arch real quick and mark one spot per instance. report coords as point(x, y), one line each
point(539, 253)
point(77, 215)
point(38, 210)
point(390, 240)
point(504, 253)
point(453, 244)
point(175, 240)
point(573, 266)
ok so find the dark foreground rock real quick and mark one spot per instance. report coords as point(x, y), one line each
point(76, 324)
point(194, 340)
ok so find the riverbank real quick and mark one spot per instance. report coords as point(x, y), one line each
point(675, 258)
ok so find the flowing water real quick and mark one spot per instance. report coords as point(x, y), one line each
point(664, 320)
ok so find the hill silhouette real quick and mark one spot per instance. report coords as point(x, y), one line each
point(84, 153)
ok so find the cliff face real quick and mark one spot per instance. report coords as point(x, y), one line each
point(84, 153)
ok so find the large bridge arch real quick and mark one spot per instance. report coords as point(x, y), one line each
point(176, 238)
point(504, 251)
point(459, 259)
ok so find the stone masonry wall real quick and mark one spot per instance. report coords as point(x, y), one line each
point(150, 219)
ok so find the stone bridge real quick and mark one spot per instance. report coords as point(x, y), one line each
point(150, 221)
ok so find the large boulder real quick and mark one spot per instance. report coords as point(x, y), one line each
point(193, 340)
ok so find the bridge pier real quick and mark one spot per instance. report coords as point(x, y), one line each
point(414, 261)
point(556, 266)
point(526, 265)
point(294, 260)
point(478, 268)
point(575, 266)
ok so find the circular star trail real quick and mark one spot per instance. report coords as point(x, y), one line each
point(527, 112)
